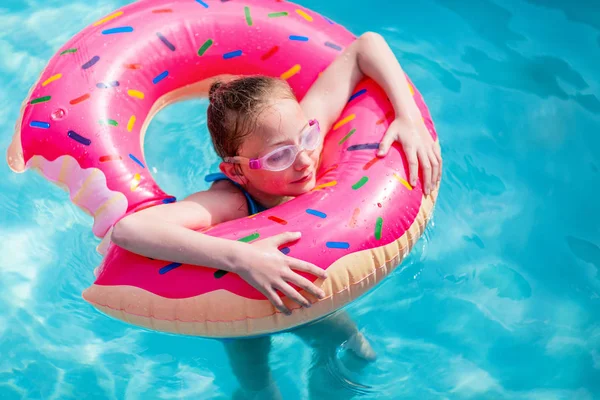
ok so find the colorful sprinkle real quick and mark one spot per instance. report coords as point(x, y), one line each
point(370, 163)
point(403, 181)
point(165, 41)
point(205, 47)
point(102, 85)
point(333, 167)
point(52, 79)
point(270, 53)
point(304, 15)
point(285, 250)
point(387, 116)
point(136, 160)
point(411, 89)
point(203, 4)
point(278, 220)
point(378, 226)
point(112, 157)
point(333, 46)
point(90, 63)
point(360, 183)
point(219, 274)
point(249, 238)
point(40, 100)
point(337, 245)
point(135, 93)
point(316, 213)
point(162, 10)
point(168, 268)
point(39, 124)
point(135, 182)
point(277, 14)
point(354, 218)
point(248, 16)
point(120, 29)
point(325, 185)
point(232, 54)
point(357, 94)
point(112, 16)
point(169, 200)
point(363, 146)
point(160, 77)
point(80, 99)
point(299, 38)
point(78, 138)
point(131, 123)
point(347, 136)
point(291, 72)
point(344, 121)
point(133, 66)
point(68, 51)
point(108, 122)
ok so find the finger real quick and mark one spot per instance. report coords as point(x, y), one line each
point(304, 266)
point(386, 143)
point(276, 301)
point(426, 167)
point(305, 284)
point(413, 166)
point(292, 293)
point(435, 169)
point(284, 238)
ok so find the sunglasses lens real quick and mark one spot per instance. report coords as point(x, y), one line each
point(281, 159)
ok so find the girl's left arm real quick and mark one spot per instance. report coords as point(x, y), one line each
point(371, 56)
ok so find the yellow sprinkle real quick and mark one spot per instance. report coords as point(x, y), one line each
point(291, 72)
point(131, 123)
point(344, 121)
point(305, 15)
point(135, 182)
point(324, 185)
point(52, 79)
point(135, 93)
point(112, 16)
point(411, 89)
point(402, 181)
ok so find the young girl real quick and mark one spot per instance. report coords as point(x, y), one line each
point(270, 145)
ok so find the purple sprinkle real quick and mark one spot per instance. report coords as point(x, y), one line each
point(168, 268)
point(357, 94)
point(285, 250)
point(78, 138)
point(90, 63)
point(165, 41)
point(364, 146)
point(333, 46)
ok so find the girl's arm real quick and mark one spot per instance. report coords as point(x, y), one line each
point(371, 56)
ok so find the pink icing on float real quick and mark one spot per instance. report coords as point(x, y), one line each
point(83, 125)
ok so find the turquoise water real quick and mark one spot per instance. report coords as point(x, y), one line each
point(499, 300)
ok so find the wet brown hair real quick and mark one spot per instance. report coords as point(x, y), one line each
point(235, 107)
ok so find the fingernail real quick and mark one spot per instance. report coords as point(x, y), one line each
point(307, 305)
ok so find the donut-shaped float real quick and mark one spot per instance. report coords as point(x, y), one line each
point(83, 123)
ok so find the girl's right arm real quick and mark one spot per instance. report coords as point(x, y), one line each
point(167, 232)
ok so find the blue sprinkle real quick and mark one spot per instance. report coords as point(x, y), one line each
point(39, 124)
point(168, 268)
point(169, 200)
point(232, 54)
point(78, 138)
point(337, 245)
point(285, 250)
point(165, 41)
point(121, 29)
point(357, 94)
point(160, 77)
point(299, 38)
point(203, 4)
point(333, 46)
point(316, 213)
point(136, 160)
point(90, 63)
point(364, 146)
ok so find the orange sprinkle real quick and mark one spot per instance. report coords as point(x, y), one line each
point(162, 10)
point(80, 99)
point(325, 185)
point(291, 72)
point(133, 66)
point(344, 121)
point(387, 115)
point(354, 217)
point(110, 158)
point(278, 220)
point(370, 163)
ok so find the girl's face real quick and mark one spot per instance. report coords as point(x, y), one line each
point(281, 124)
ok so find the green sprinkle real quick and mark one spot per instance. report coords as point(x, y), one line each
point(220, 273)
point(378, 226)
point(68, 51)
point(249, 238)
point(278, 14)
point(248, 17)
point(108, 122)
point(40, 100)
point(360, 183)
point(347, 136)
point(205, 47)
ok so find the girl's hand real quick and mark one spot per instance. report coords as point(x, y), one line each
point(268, 269)
point(419, 148)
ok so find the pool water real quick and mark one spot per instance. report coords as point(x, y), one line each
point(499, 300)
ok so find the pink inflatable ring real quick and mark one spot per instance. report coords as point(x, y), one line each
point(83, 123)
